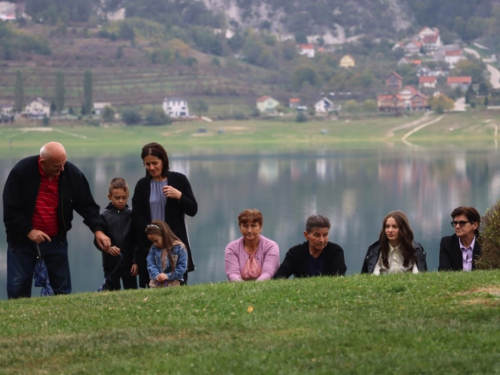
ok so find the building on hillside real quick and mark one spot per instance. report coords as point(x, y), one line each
point(394, 80)
point(306, 50)
point(176, 107)
point(453, 57)
point(412, 48)
point(6, 112)
point(427, 82)
point(428, 31)
point(267, 104)
point(460, 82)
point(325, 105)
point(37, 108)
point(294, 103)
point(347, 61)
point(99, 107)
point(432, 42)
point(408, 99)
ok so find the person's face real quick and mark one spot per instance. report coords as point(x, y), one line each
point(317, 238)
point(467, 230)
point(118, 198)
point(392, 230)
point(53, 165)
point(154, 166)
point(156, 240)
point(250, 231)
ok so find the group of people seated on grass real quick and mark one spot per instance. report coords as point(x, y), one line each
point(255, 257)
point(150, 241)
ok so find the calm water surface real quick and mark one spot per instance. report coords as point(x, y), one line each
point(354, 189)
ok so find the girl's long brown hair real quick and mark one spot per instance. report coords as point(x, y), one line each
point(405, 238)
point(169, 239)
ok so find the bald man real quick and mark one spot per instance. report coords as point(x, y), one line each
point(39, 197)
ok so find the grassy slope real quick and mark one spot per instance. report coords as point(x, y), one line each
point(400, 324)
point(469, 129)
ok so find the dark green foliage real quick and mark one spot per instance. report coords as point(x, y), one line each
point(108, 113)
point(119, 52)
point(206, 41)
point(156, 116)
point(490, 238)
point(199, 107)
point(304, 74)
point(60, 92)
point(54, 11)
point(14, 42)
point(301, 117)
point(131, 117)
point(87, 92)
point(46, 121)
point(19, 93)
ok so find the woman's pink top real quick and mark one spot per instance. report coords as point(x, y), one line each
point(267, 256)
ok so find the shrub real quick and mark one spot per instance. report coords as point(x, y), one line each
point(131, 117)
point(490, 239)
point(301, 117)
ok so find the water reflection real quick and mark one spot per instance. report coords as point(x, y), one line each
point(354, 189)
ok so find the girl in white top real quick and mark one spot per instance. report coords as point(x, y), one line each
point(395, 251)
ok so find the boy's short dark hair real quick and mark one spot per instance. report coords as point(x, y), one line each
point(317, 221)
point(118, 183)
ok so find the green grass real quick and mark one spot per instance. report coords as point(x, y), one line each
point(470, 130)
point(430, 323)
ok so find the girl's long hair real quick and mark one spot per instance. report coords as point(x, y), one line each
point(405, 239)
point(169, 239)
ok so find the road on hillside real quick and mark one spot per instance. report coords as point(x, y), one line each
point(495, 76)
point(494, 72)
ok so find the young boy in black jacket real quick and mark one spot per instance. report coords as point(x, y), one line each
point(118, 227)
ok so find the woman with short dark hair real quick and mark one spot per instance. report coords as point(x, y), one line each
point(161, 195)
point(395, 251)
point(252, 256)
point(460, 251)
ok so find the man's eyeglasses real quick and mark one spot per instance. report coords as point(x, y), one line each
point(461, 223)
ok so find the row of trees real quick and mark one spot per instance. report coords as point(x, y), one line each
point(59, 93)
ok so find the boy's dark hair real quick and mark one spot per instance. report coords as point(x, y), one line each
point(118, 183)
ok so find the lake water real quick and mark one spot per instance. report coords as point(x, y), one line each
point(355, 189)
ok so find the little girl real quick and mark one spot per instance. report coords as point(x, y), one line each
point(167, 258)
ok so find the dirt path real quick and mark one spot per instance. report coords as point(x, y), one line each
point(413, 131)
point(411, 124)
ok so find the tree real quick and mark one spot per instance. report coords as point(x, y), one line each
point(441, 103)
point(157, 116)
point(304, 74)
point(351, 106)
point(60, 92)
point(119, 52)
point(108, 113)
point(469, 94)
point(199, 107)
point(131, 117)
point(87, 92)
point(19, 93)
point(370, 105)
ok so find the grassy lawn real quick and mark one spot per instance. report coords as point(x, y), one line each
point(430, 323)
point(471, 130)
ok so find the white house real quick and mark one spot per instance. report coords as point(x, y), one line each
point(176, 107)
point(324, 105)
point(38, 108)
point(306, 50)
point(453, 57)
point(99, 107)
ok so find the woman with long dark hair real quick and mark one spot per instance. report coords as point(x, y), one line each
point(161, 195)
point(395, 251)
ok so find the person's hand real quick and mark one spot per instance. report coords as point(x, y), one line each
point(102, 240)
point(161, 277)
point(171, 192)
point(134, 270)
point(37, 236)
point(113, 250)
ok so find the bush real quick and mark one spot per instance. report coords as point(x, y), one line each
point(301, 117)
point(156, 116)
point(131, 117)
point(489, 239)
